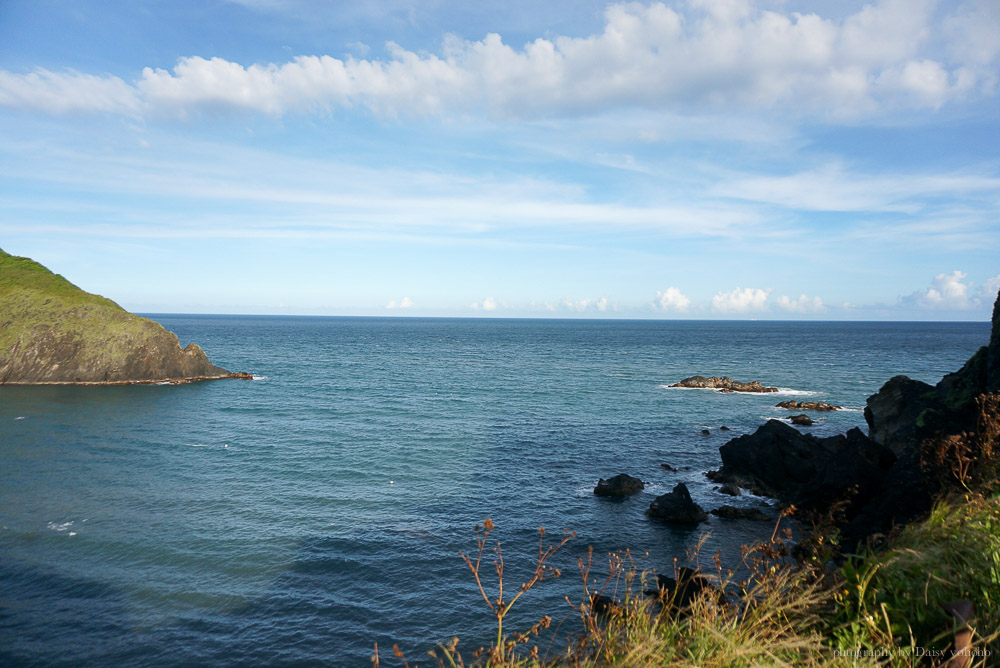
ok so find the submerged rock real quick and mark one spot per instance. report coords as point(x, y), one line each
point(677, 507)
point(619, 485)
point(724, 384)
point(802, 420)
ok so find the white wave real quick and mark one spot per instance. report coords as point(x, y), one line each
point(260, 377)
point(850, 409)
point(60, 527)
point(697, 389)
point(789, 392)
point(163, 382)
point(20, 417)
point(196, 445)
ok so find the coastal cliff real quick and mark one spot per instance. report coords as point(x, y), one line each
point(922, 440)
point(52, 332)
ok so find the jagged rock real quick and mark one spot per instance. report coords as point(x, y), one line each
point(677, 507)
point(807, 406)
point(730, 488)
point(724, 384)
point(736, 513)
point(884, 478)
point(55, 333)
point(779, 461)
point(619, 485)
point(894, 413)
point(802, 420)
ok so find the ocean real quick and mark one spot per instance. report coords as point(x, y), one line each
point(299, 518)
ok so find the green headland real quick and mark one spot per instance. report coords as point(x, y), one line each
point(52, 332)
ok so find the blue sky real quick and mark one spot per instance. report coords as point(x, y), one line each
point(691, 159)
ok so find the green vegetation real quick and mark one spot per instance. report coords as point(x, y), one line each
point(33, 298)
point(52, 331)
point(878, 609)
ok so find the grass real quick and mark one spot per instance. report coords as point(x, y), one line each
point(51, 330)
point(876, 609)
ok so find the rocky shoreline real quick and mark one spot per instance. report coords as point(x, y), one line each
point(918, 437)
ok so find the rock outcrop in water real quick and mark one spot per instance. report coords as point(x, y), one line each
point(919, 437)
point(807, 406)
point(723, 384)
point(620, 485)
point(52, 332)
point(677, 507)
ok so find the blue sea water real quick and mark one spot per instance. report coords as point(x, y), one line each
point(303, 516)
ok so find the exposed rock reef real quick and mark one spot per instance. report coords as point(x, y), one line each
point(52, 332)
point(620, 485)
point(919, 438)
point(807, 406)
point(723, 384)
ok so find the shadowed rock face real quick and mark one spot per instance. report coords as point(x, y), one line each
point(51, 332)
point(677, 507)
point(882, 478)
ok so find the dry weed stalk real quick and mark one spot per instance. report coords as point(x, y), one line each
point(499, 606)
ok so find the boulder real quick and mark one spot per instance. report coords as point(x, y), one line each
point(676, 507)
point(705, 432)
point(619, 485)
point(724, 384)
point(737, 513)
point(802, 420)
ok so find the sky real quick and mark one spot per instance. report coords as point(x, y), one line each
point(695, 159)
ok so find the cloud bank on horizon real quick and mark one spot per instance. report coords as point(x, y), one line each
point(648, 160)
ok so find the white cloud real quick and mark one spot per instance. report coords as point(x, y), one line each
point(67, 92)
point(405, 302)
point(740, 300)
point(671, 299)
point(486, 304)
point(700, 57)
point(987, 292)
point(804, 304)
point(946, 291)
point(601, 304)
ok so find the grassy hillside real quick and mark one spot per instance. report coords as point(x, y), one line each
point(51, 331)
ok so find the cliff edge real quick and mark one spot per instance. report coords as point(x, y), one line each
point(52, 332)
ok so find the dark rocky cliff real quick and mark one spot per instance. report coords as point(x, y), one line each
point(921, 439)
point(53, 332)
